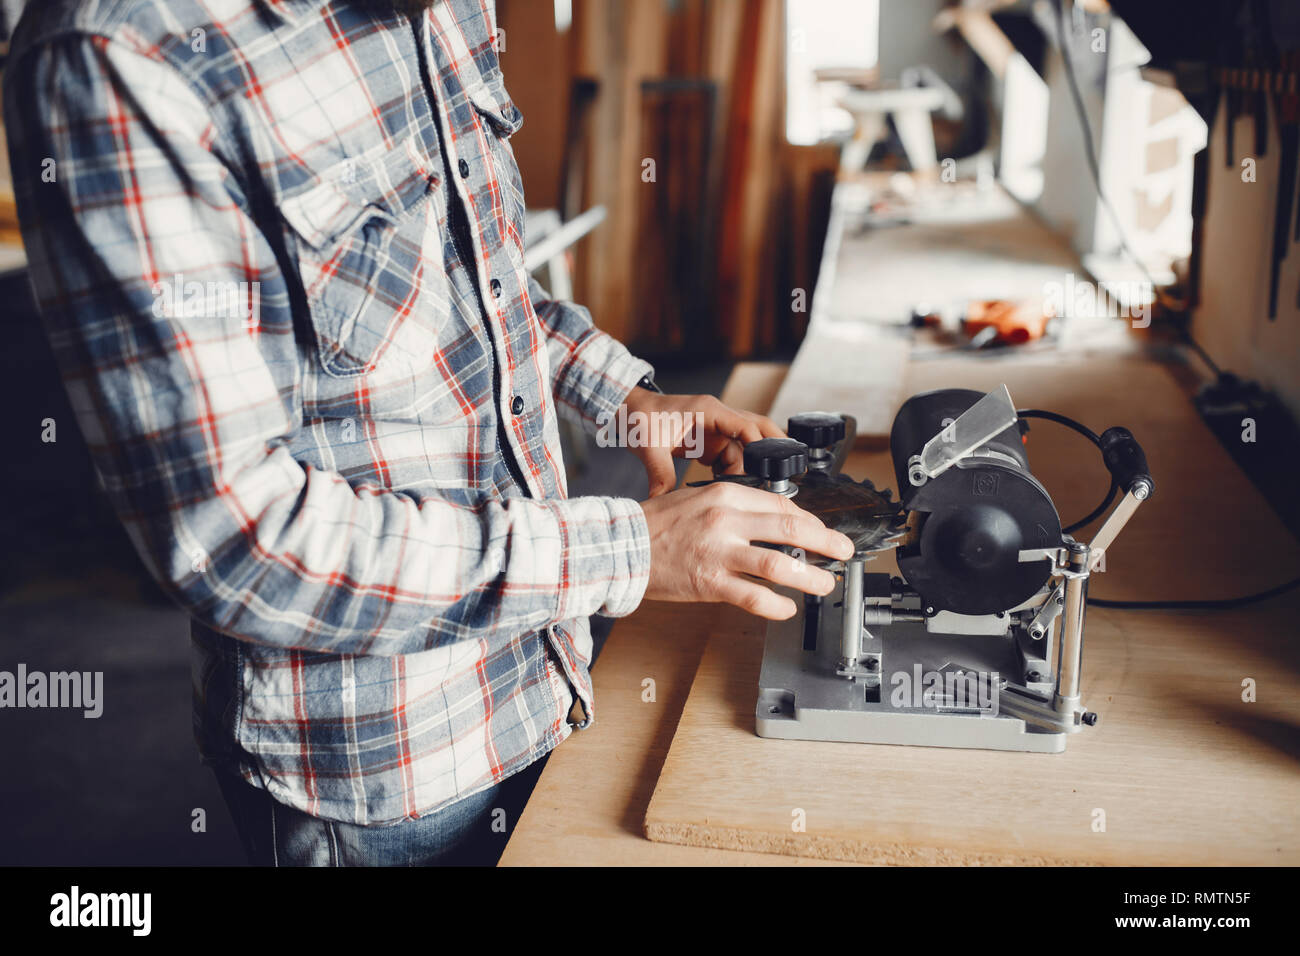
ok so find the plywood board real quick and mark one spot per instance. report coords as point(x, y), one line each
point(1184, 771)
point(955, 246)
point(846, 367)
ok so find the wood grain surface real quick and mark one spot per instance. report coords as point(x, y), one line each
point(1182, 768)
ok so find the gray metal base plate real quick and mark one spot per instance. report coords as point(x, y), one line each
point(800, 696)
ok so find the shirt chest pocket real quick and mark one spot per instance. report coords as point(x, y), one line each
point(370, 261)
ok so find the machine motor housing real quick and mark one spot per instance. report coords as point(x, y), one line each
point(971, 521)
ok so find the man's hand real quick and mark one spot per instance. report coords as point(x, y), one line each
point(701, 548)
point(690, 426)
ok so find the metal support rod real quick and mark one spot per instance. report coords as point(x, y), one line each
point(1070, 655)
point(554, 244)
point(851, 621)
point(1114, 524)
point(820, 459)
point(781, 486)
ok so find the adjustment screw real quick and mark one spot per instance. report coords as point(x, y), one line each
point(776, 459)
point(1090, 718)
point(816, 429)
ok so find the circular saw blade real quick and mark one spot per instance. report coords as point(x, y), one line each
point(870, 518)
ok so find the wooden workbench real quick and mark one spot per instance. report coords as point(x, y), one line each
point(1210, 531)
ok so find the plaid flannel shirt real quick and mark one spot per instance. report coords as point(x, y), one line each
point(278, 249)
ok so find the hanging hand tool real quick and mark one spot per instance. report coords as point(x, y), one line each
point(1232, 104)
point(1259, 56)
point(1286, 104)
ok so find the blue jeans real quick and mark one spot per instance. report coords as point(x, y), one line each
point(277, 835)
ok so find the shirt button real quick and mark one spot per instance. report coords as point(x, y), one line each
point(517, 405)
point(464, 168)
point(495, 286)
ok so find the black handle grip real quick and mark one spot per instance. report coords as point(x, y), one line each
point(776, 459)
point(816, 429)
point(1125, 460)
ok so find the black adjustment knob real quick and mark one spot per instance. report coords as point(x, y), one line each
point(776, 459)
point(816, 429)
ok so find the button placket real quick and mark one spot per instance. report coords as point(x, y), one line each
point(482, 263)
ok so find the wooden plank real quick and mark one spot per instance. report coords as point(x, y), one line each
point(536, 58)
point(846, 367)
point(673, 282)
point(753, 137)
point(1185, 771)
point(958, 244)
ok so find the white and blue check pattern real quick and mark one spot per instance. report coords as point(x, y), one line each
point(353, 480)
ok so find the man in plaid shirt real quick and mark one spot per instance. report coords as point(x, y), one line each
point(278, 248)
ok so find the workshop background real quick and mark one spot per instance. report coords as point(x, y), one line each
point(691, 148)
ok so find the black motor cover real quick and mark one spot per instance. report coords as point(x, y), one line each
point(975, 518)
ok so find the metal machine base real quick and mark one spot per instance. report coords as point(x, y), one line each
point(801, 696)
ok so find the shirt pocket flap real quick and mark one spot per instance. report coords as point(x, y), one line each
point(323, 214)
point(493, 103)
point(361, 231)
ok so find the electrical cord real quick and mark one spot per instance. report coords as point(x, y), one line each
point(1096, 512)
point(1205, 605)
point(1060, 419)
point(1092, 436)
